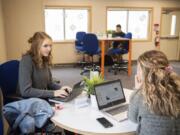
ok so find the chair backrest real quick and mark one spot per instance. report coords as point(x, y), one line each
point(80, 35)
point(1, 126)
point(1, 114)
point(128, 35)
point(91, 44)
point(125, 44)
point(79, 38)
point(9, 77)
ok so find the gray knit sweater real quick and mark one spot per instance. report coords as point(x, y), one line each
point(149, 123)
point(34, 82)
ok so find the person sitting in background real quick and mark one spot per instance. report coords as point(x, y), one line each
point(117, 44)
point(117, 33)
point(155, 106)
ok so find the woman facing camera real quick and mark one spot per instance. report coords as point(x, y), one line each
point(155, 106)
point(35, 79)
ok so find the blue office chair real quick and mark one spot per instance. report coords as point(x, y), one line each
point(119, 52)
point(78, 41)
point(9, 72)
point(91, 48)
point(1, 126)
point(1, 114)
point(79, 46)
point(9, 80)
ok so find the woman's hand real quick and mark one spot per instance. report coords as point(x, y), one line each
point(138, 82)
point(63, 92)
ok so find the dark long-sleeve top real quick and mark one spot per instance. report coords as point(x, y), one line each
point(33, 81)
point(148, 122)
point(117, 34)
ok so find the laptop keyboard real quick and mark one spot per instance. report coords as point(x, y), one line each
point(77, 90)
point(118, 110)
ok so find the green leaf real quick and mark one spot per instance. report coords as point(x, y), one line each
point(91, 82)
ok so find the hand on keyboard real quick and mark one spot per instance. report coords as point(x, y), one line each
point(67, 89)
point(63, 92)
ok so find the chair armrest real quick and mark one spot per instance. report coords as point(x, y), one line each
point(12, 98)
point(15, 97)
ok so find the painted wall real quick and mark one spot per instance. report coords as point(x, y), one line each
point(24, 17)
point(3, 56)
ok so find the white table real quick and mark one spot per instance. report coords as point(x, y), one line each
point(83, 121)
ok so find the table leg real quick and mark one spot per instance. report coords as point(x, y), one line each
point(129, 59)
point(102, 57)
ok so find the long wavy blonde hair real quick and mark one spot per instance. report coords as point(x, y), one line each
point(161, 86)
point(36, 41)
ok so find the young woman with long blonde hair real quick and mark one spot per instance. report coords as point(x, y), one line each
point(35, 79)
point(155, 106)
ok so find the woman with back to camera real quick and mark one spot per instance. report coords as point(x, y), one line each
point(155, 106)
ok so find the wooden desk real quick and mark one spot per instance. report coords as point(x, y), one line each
point(104, 41)
point(83, 121)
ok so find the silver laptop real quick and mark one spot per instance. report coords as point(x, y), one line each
point(111, 99)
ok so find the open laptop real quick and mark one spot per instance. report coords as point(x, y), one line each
point(111, 99)
point(77, 90)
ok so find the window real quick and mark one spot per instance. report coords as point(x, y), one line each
point(135, 21)
point(62, 24)
point(173, 25)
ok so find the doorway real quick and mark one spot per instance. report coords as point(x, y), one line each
point(170, 33)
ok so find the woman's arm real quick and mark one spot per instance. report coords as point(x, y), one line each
point(53, 85)
point(133, 111)
point(25, 80)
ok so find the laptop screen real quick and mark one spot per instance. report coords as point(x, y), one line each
point(109, 94)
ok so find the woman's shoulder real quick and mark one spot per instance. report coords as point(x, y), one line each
point(26, 58)
point(136, 95)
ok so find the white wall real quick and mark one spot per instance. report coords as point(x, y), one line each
point(24, 17)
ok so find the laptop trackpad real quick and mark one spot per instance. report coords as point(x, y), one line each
point(119, 113)
point(121, 116)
